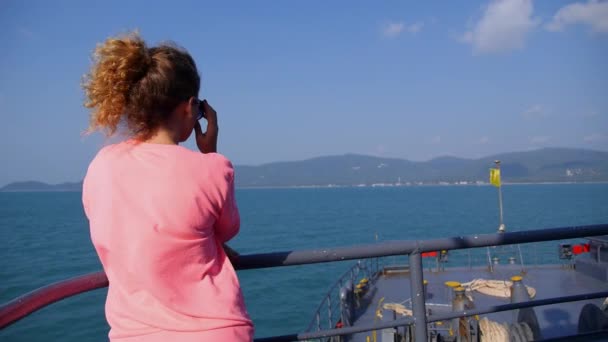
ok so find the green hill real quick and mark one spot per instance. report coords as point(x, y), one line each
point(544, 165)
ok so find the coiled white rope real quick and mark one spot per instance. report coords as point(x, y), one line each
point(496, 288)
point(496, 332)
point(493, 331)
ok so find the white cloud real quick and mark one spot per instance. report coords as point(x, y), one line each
point(436, 139)
point(535, 111)
point(415, 27)
point(539, 140)
point(594, 137)
point(395, 29)
point(502, 27)
point(594, 13)
point(484, 140)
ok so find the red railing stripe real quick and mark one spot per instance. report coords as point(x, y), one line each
point(39, 298)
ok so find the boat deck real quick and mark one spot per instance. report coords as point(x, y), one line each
point(549, 281)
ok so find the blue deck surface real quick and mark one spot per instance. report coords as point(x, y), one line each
point(548, 280)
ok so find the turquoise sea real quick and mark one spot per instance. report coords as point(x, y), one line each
point(44, 238)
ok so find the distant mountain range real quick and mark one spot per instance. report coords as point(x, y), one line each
point(544, 165)
point(40, 186)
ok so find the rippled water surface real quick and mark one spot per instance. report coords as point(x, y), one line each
point(44, 238)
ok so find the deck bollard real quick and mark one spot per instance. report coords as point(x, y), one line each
point(458, 304)
point(519, 293)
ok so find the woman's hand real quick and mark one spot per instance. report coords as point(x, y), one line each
point(207, 142)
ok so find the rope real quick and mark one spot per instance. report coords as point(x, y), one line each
point(493, 331)
point(496, 332)
point(496, 288)
point(398, 308)
point(463, 329)
point(521, 332)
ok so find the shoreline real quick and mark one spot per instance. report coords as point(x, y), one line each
point(356, 186)
point(333, 186)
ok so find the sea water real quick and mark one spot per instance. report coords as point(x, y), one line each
point(44, 238)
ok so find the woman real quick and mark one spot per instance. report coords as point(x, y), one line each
point(160, 213)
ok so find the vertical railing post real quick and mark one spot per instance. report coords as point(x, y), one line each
point(490, 265)
point(521, 258)
point(318, 321)
point(418, 300)
point(437, 260)
point(329, 311)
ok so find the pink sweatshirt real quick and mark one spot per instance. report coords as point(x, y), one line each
point(158, 216)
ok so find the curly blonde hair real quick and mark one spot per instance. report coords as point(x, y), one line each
point(137, 85)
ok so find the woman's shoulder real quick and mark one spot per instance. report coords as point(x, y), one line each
point(216, 165)
point(218, 160)
point(207, 165)
point(103, 153)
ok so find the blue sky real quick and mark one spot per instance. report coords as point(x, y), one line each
point(297, 79)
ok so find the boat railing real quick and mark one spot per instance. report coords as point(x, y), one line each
point(329, 309)
point(20, 307)
point(522, 256)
